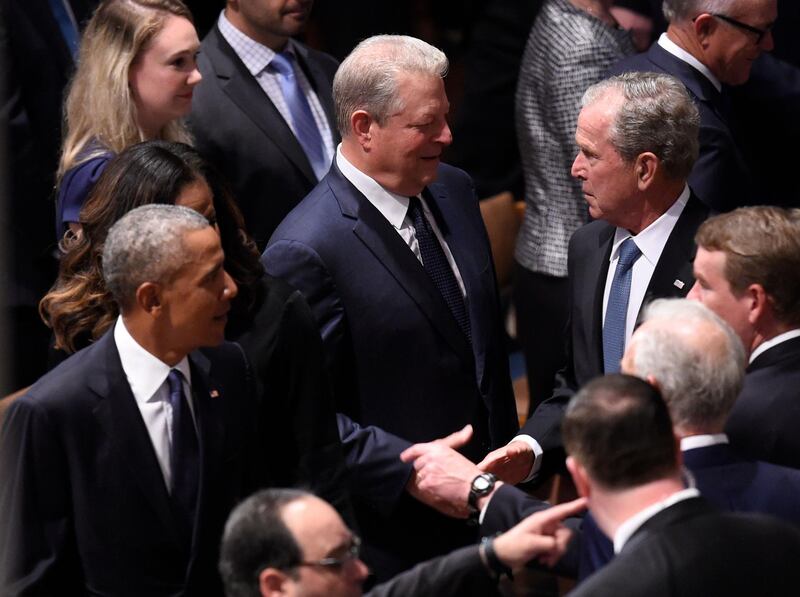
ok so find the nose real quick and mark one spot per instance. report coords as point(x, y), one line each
point(194, 77)
point(445, 136)
point(577, 167)
point(768, 42)
point(230, 290)
point(359, 571)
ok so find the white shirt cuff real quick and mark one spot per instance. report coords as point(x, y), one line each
point(537, 455)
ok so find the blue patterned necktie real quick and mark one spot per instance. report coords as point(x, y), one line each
point(183, 454)
point(438, 269)
point(303, 123)
point(617, 307)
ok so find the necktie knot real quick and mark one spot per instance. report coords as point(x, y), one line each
point(175, 384)
point(282, 63)
point(628, 254)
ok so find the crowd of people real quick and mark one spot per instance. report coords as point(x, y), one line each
point(278, 362)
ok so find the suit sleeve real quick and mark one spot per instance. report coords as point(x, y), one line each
point(459, 573)
point(38, 553)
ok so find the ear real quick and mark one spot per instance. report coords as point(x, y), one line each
point(272, 582)
point(361, 124)
point(704, 26)
point(758, 302)
point(678, 452)
point(647, 164)
point(148, 298)
point(651, 379)
point(579, 477)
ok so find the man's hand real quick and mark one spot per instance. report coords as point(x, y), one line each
point(511, 463)
point(541, 535)
point(442, 477)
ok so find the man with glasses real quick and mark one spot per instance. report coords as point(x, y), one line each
point(290, 542)
point(710, 45)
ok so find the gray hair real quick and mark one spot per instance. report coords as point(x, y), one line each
point(657, 115)
point(679, 10)
point(367, 78)
point(700, 374)
point(146, 245)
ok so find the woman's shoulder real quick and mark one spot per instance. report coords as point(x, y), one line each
point(79, 180)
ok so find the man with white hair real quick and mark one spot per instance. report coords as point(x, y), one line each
point(392, 256)
point(710, 45)
point(121, 464)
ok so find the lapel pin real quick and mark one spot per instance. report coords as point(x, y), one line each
point(679, 284)
point(214, 394)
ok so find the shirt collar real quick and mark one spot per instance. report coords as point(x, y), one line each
point(767, 344)
point(703, 441)
point(670, 46)
point(651, 240)
point(392, 206)
point(255, 56)
point(630, 526)
point(145, 372)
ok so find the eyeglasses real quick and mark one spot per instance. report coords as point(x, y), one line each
point(352, 553)
point(760, 33)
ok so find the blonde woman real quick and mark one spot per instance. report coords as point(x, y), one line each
point(134, 82)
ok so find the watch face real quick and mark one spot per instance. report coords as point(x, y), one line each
point(481, 483)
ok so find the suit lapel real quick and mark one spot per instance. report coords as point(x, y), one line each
point(119, 415)
point(596, 272)
point(788, 350)
point(673, 276)
point(391, 251)
point(237, 82)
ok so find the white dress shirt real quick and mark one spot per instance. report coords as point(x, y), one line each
point(651, 242)
point(670, 46)
point(147, 377)
point(256, 58)
point(703, 441)
point(626, 530)
point(394, 208)
point(767, 344)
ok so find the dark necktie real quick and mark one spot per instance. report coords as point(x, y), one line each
point(183, 454)
point(617, 307)
point(435, 263)
point(303, 123)
point(67, 26)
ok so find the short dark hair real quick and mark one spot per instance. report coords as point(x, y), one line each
point(618, 428)
point(256, 538)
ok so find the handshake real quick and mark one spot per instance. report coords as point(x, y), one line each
point(447, 481)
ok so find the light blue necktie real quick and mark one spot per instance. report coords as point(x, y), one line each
point(68, 29)
point(303, 123)
point(617, 307)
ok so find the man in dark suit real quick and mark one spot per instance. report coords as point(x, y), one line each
point(391, 253)
point(264, 113)
point(708, 52)
point(746, 269)
point(633, 163)
point(290, 542)
point(697, 361)
point(121, 465)
point(668, 539)
point(45, 34)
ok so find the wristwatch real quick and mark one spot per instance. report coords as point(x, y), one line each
point(481, 485)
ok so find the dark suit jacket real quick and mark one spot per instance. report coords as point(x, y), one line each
point(725, 479)
point(396, 356)
point(239, 130)
point(765, 419)
point(84, 505)
point(691, 549)
point(589, 251)
point(720, 177)
point(284, 349)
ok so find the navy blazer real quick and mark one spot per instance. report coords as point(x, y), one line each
point(397, 358)
point(720, 177)
point(588, 261)
point(239, 130)
point(83, 501)
point(765, 419)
